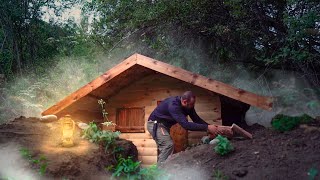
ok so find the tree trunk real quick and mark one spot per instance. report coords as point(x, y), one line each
point(18, 56)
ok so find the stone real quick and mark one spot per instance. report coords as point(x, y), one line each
point(214, 141)
point(48, 118)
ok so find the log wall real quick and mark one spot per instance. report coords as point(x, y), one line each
point(145, 93)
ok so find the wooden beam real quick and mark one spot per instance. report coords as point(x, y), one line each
point(86, 89)
point(206, 83)
point(96, 97)
point(160, 67)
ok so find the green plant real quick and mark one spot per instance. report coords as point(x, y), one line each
point(108, 138)
point(41, 162)
point(224, 146)
point(25, 153)
point(91, 133)
point(43, 168)
point(312, 173)
point(95, 135)
point(152, 173)
point(126, 168)
point(6, 178)
point(284, 123)
point(218, 175)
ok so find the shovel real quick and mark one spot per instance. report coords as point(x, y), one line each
point(238, 130)
point(229, 132)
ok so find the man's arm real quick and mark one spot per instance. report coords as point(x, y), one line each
point(180, 118)
point(195, 118)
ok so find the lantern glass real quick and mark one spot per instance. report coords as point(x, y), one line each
point(68, 126)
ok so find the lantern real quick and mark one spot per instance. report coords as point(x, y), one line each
point(68, 126)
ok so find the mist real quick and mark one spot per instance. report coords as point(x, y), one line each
point(30, 95)
point(13, 166)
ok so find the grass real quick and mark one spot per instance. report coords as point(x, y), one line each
point(218, 175)
point(128, 169)
point(41, 162)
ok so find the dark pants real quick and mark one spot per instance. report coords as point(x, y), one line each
point(163, 140)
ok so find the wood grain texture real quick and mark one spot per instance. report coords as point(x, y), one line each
point(91, 86)
point(206, 83)
point(138, 66)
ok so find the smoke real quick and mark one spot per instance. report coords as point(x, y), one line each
point(12, 165)
point(30, 95)
point(176, 172)
point(292, 93)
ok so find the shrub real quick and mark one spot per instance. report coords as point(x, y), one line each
point(224, 146)
point(129, 169)
point(284, 123)
point(126, 168)
point(153, 173)
point(312, 173)
point(94, 134)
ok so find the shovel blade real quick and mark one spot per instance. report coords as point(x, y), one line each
point(238, 130)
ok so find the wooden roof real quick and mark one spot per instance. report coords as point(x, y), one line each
point(138, 66)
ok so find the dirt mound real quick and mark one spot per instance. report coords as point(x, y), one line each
point(85, 160)
point(269, 155)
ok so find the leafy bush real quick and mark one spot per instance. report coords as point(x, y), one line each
point(152, 173)
point(224, 146)
point(94, 134)
point(284, 123)
point(91, 133)
point(126, 168)
point(312, 173)
point(129, 169)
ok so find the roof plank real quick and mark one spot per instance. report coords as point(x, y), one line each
point(91, 86)
point(263, 102)
point(206, 83)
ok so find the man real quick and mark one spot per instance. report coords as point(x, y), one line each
point(175, 110)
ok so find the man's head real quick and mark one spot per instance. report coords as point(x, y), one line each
point(188, 99)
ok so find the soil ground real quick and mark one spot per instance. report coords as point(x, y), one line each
point(83, 161)
point(269, 155)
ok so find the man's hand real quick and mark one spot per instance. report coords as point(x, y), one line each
point(222, 130)
point(213, 129)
